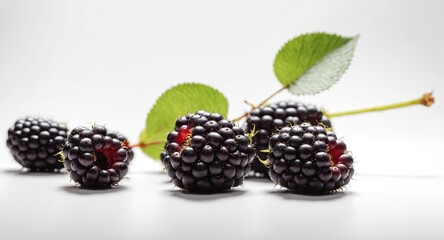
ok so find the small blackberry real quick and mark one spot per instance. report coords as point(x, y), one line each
point(266, 120)
point(206, 153)
point(309, 159)
point(96, 157)
point(35, 142)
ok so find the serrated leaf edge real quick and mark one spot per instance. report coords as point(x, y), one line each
point(143, 132)
point(350, 46)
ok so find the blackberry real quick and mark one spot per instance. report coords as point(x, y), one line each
point(207, 153)
point(35, 142)
point(266, 120)
point(96, 157)
point(309, 159)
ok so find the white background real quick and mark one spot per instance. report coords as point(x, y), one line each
point(83, 62)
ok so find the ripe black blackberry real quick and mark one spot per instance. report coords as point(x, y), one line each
point(96, 157)
point(35, 142)
point(266, 120)
point(206, 153)
point(309, 159)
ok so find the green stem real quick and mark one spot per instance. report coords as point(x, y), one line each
point(260, 104)
point(271, 96)
point(426, 99)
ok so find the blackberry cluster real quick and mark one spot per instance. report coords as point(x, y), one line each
point(35, 142)
point(206, 153)
point(97, 157)
point(309, 159)
point(267, 120)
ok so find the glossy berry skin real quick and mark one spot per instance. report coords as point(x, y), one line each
point(268, 119)
point(97, 157)
point(309, 159)
point(35, 142)
point(206, 153)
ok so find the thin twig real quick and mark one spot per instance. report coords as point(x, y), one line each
point(426, 99)
point(260, 104)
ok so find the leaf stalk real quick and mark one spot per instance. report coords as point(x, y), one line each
point(260, 104)
point(145, 144)
point(426, 99)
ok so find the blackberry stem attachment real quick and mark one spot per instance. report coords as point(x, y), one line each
point(426, 99)
point(145, 144)
point(260, 104)
point(249, 104)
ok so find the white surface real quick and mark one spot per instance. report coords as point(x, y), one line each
point(64, 59)
point(146, 206)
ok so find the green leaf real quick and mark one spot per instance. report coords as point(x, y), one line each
point(174, 103)
point(313, 62)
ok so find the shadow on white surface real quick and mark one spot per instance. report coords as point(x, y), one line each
point(156, 176)
point(290, 195)
point(182, 194)
point(259, 180)
point(27, 172)
point(150, 172)
point(87, 191)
